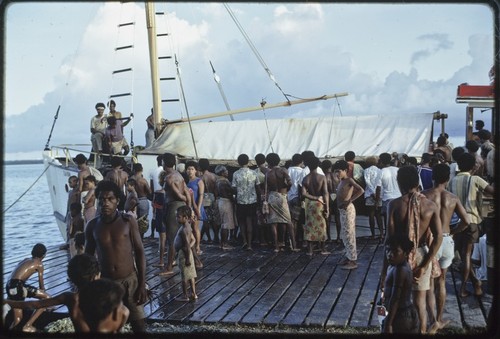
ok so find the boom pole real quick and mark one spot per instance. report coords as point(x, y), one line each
point(257, 108)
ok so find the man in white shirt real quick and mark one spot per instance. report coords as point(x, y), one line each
point(389, 183)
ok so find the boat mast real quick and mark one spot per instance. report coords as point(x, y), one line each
point(153, 61)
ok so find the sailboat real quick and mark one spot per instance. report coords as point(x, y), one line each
point(222, 141)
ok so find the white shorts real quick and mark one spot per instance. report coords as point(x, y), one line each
point(446, 252)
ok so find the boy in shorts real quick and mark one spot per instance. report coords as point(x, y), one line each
point(82, 269)
point(17, 289)
point(183, 242)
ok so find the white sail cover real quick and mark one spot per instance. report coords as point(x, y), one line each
point(326, 136)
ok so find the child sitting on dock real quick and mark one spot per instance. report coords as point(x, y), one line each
point(183, 243)
point(17, 289)
point(101, 306)
point(402, 315)
point(82, 269)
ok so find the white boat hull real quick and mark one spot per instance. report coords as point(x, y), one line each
point(57, 175)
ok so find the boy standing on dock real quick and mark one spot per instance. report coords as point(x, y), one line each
point(184, 242)
point(401, 313)
point(17, 289)
point(347, 191)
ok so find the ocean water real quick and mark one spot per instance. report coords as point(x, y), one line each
point(30, 219)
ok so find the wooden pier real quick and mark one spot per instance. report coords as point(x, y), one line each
point(260, 287)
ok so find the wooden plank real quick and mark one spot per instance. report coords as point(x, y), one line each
point(452, 310)
point(203, 291)
point(365, 307)
point(273, 294)
point(350, 291)
point(306, 301)
point(472, 314)
point(219, 297)
point(246, 284)
point(319, 314)
point(261, 283)
point(282, 307)
point(171, 287)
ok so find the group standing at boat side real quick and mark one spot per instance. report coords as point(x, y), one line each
point(274, 205)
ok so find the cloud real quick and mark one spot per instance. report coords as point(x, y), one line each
point(438, 43)
point(297, 43)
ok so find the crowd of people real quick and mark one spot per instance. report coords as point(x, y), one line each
point(425, 212)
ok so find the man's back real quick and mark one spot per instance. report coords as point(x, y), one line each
point(446, 202)
point(209, 180)
point(245, 180)
point(390, 188)
point(399, 215)
point(26, 268)
point(174, 187)
point(118, 176)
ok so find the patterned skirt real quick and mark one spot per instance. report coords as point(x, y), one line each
point(315, 223)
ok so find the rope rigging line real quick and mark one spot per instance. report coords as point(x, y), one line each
point(254, 50)
point(66, 84)
point(29, 188)
point(185, 105)
point(125, 23)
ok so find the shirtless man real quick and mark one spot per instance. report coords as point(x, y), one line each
point(176, 195)
point(83, 171)
point(118, 176)
point(144, 193)
point(278, 184)
point(420, 216)
point(17, 289)
point(448, 203)
point(348, 190)
point(115, 236)
point(209, 203)
point(315, 194)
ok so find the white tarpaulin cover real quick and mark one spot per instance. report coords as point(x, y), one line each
point(326, 136)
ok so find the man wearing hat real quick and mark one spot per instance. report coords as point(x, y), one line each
point(98, 125)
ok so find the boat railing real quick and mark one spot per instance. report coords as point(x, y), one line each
point(66, 152)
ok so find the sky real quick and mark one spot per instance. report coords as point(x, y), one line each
point(390, 58)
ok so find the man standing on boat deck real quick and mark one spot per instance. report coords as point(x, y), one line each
point(415, 216)
point(98, 125)
point(115, 236)
point(112, 110)
point(114, 135)
point(176, 195)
